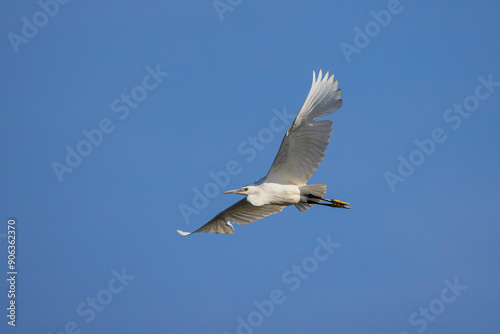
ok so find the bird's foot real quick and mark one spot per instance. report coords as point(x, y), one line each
point(339, 204)
point(335, 203)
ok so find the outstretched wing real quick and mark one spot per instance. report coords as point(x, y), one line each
point(241, 212)
point(305, 143)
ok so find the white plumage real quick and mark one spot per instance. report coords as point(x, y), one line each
point(299, 155)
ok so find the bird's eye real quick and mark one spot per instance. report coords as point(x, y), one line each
point(246, 188)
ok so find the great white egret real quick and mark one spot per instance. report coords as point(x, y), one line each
point(300, 154)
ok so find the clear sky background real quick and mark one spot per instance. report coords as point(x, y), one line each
point(395, 254)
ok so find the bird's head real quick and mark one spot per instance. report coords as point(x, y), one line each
point(246, 190)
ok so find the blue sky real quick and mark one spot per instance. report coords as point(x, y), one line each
point(159, 97)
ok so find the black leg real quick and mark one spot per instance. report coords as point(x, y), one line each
point(335, 203)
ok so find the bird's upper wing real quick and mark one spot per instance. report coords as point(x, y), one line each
point(304, 144)
point(241, 212)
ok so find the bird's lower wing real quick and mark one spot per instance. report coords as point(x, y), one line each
point(305, 143)
point(241, 212)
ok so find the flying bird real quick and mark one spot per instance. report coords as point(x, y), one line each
point(299, 155)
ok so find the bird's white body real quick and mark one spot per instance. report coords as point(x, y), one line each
point(299, 155)
point(273, 193)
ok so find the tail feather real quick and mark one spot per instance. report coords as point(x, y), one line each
point(318, 189)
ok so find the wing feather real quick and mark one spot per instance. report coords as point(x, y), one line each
point(241, 212)
point(305, 143)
